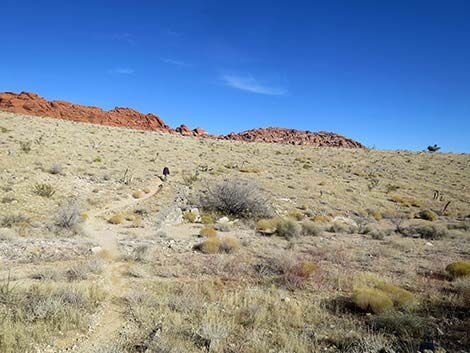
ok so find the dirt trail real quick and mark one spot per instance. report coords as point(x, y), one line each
point(114, 282)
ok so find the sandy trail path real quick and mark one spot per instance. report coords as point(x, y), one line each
point(111, 317)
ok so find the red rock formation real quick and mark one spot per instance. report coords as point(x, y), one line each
point(295, 137)
point(32, 104)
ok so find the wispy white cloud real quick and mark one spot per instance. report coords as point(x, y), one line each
point(122, 71)
point(124, 37)
point(250, 84)
point(176, 62)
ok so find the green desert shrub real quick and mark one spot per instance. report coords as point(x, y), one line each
point(236, 197)
point(458, 269)
point(44, 190)
point(428, 215)
point(288, 228)
point(371, 299)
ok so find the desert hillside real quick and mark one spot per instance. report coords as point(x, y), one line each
point(243, 247)
point(33, 104)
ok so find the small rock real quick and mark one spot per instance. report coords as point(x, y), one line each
point(95, 249)
point(223, 220)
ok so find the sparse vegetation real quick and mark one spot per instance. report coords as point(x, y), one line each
point(44, 190)
point(68, 215)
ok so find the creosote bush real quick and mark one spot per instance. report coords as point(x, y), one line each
point(458, 269)
point(236, 197)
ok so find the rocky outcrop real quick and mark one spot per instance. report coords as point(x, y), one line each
point(295, 137)
point(32, 104)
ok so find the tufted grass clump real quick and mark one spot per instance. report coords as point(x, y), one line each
point(138, 194)
point(189, 217)
point(428, 215)
point(321, 218)
point(400, 297)
point(216, 245)
point(267, 225)
point(44, 190)
point(459, 269)
point(372, 300)
point(208, 232)
point(116, 219)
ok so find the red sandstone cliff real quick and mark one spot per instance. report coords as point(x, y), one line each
point(32, 104)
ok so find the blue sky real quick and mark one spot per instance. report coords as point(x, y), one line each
point(391, 74)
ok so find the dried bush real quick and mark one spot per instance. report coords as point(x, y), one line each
point(288, 228)
point(458, 269)
point(424, 230)
point(55, 169)
point(309, 228)
point(44, 190)
point(236, 197)
point(25, 146)
point(371, 299)
point(14, 219)
point(68, 216)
